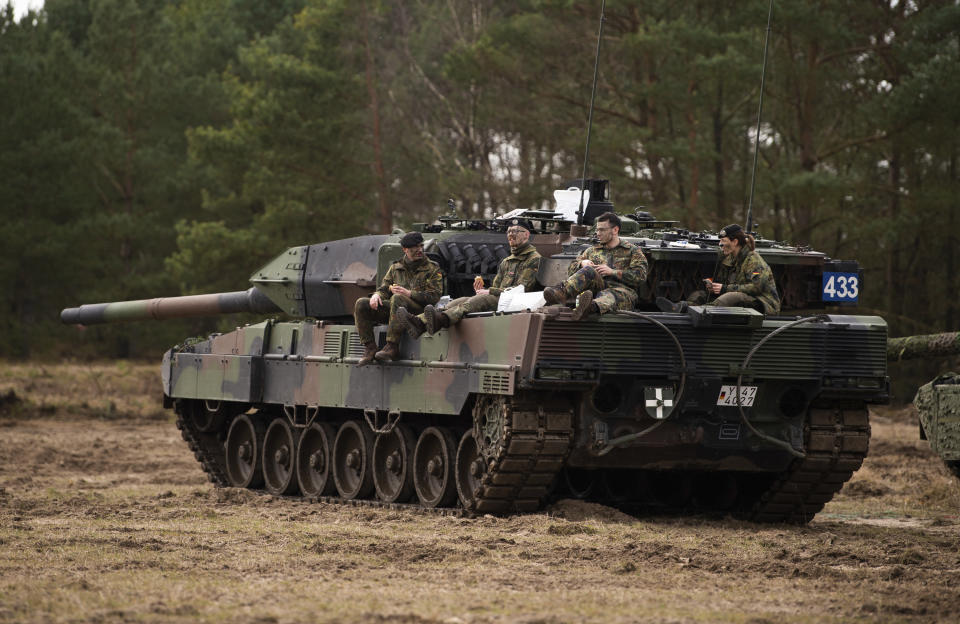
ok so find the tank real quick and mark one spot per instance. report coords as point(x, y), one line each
point(937, 402)
point(712, 410)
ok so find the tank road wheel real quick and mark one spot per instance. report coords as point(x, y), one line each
point(392, 464)
point(433, 468)
point(244, 442)
point(351, 460)
point(314, 472)
point(279, 455)
point(470, 470)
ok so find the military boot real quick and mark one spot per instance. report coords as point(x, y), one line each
point(369, 352)
point(388, 353)
point(436, 320)
point(666, 305)
point(584, 304)
point(414, 326)
point(554, 295)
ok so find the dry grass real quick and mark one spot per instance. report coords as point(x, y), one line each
point(105, 516)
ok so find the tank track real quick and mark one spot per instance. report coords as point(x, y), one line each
point(207, 448)
point(837, 440)
point(535, 445)
point(533, 449)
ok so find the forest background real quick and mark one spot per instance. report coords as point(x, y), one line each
point(163, 147)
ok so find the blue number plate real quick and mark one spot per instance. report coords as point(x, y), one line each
point(841, 287)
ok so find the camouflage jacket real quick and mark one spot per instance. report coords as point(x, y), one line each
point(748, 273)
point(520, 267)
point(628, 262)
point(423, 278)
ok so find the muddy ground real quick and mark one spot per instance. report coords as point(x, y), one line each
point(106, 517)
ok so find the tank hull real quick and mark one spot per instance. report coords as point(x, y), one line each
point(503, 411)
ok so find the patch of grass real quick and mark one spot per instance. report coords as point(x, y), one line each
point(571, 528)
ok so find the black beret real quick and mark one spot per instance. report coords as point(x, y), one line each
point(411, 239)
point(731, 230)
point(518, 223)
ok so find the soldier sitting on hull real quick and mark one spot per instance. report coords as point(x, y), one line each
point(744, 279)
point(520, 267)
point(411, 283)
point(606, 276)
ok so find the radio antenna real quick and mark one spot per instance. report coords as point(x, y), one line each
point(756, 144)
point(593, 94)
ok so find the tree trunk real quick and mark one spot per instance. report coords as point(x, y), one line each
point(383, 207)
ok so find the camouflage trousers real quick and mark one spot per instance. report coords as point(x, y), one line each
point(366, 317)
point(462, 306)
point(726, 300)
point(607, 299)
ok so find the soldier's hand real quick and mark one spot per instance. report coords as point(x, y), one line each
point(399, 290)
point(375, 301)
point(483, 291)
point(715, 287)
point(603, 269)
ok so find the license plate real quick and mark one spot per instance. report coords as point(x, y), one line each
point(728, 395)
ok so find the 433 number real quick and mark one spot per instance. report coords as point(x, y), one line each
point(841, 287)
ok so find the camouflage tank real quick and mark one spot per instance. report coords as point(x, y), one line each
point(938, 402)
point(713, 409)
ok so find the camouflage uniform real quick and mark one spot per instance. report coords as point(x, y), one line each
point(614, 292)
point(422, 278)
point(520, 267)
point(747, 282)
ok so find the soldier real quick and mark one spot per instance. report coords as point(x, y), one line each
point(743, 279)
point(413, 282)
point(606, 276)
point(520, 267)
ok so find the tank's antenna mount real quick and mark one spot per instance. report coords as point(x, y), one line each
point(593, 95)
point(756, 144)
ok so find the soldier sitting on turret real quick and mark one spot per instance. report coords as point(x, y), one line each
point(606, 276)
point(744, 279)
point(411, 283)
point(520, 267)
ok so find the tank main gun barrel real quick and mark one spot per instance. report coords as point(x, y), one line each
point(251, 300)
point(927, 345)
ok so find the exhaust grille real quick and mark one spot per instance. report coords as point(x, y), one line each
point(354, 346)
point(496, 383)
point(643, 349)
point(333, 343)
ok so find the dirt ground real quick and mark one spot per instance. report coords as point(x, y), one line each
point(106, 517)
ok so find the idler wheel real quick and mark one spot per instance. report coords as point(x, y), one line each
point(243, 451)
point(470, 470)
point(393, 464)
point(433, 475)
point(352, 470)
point(314, 465)
point(279, 458)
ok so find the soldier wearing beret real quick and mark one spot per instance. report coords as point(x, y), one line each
point(743, 279)
point(520, 267)
point(413, 282)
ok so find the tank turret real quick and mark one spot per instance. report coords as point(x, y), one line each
point(323, 280)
